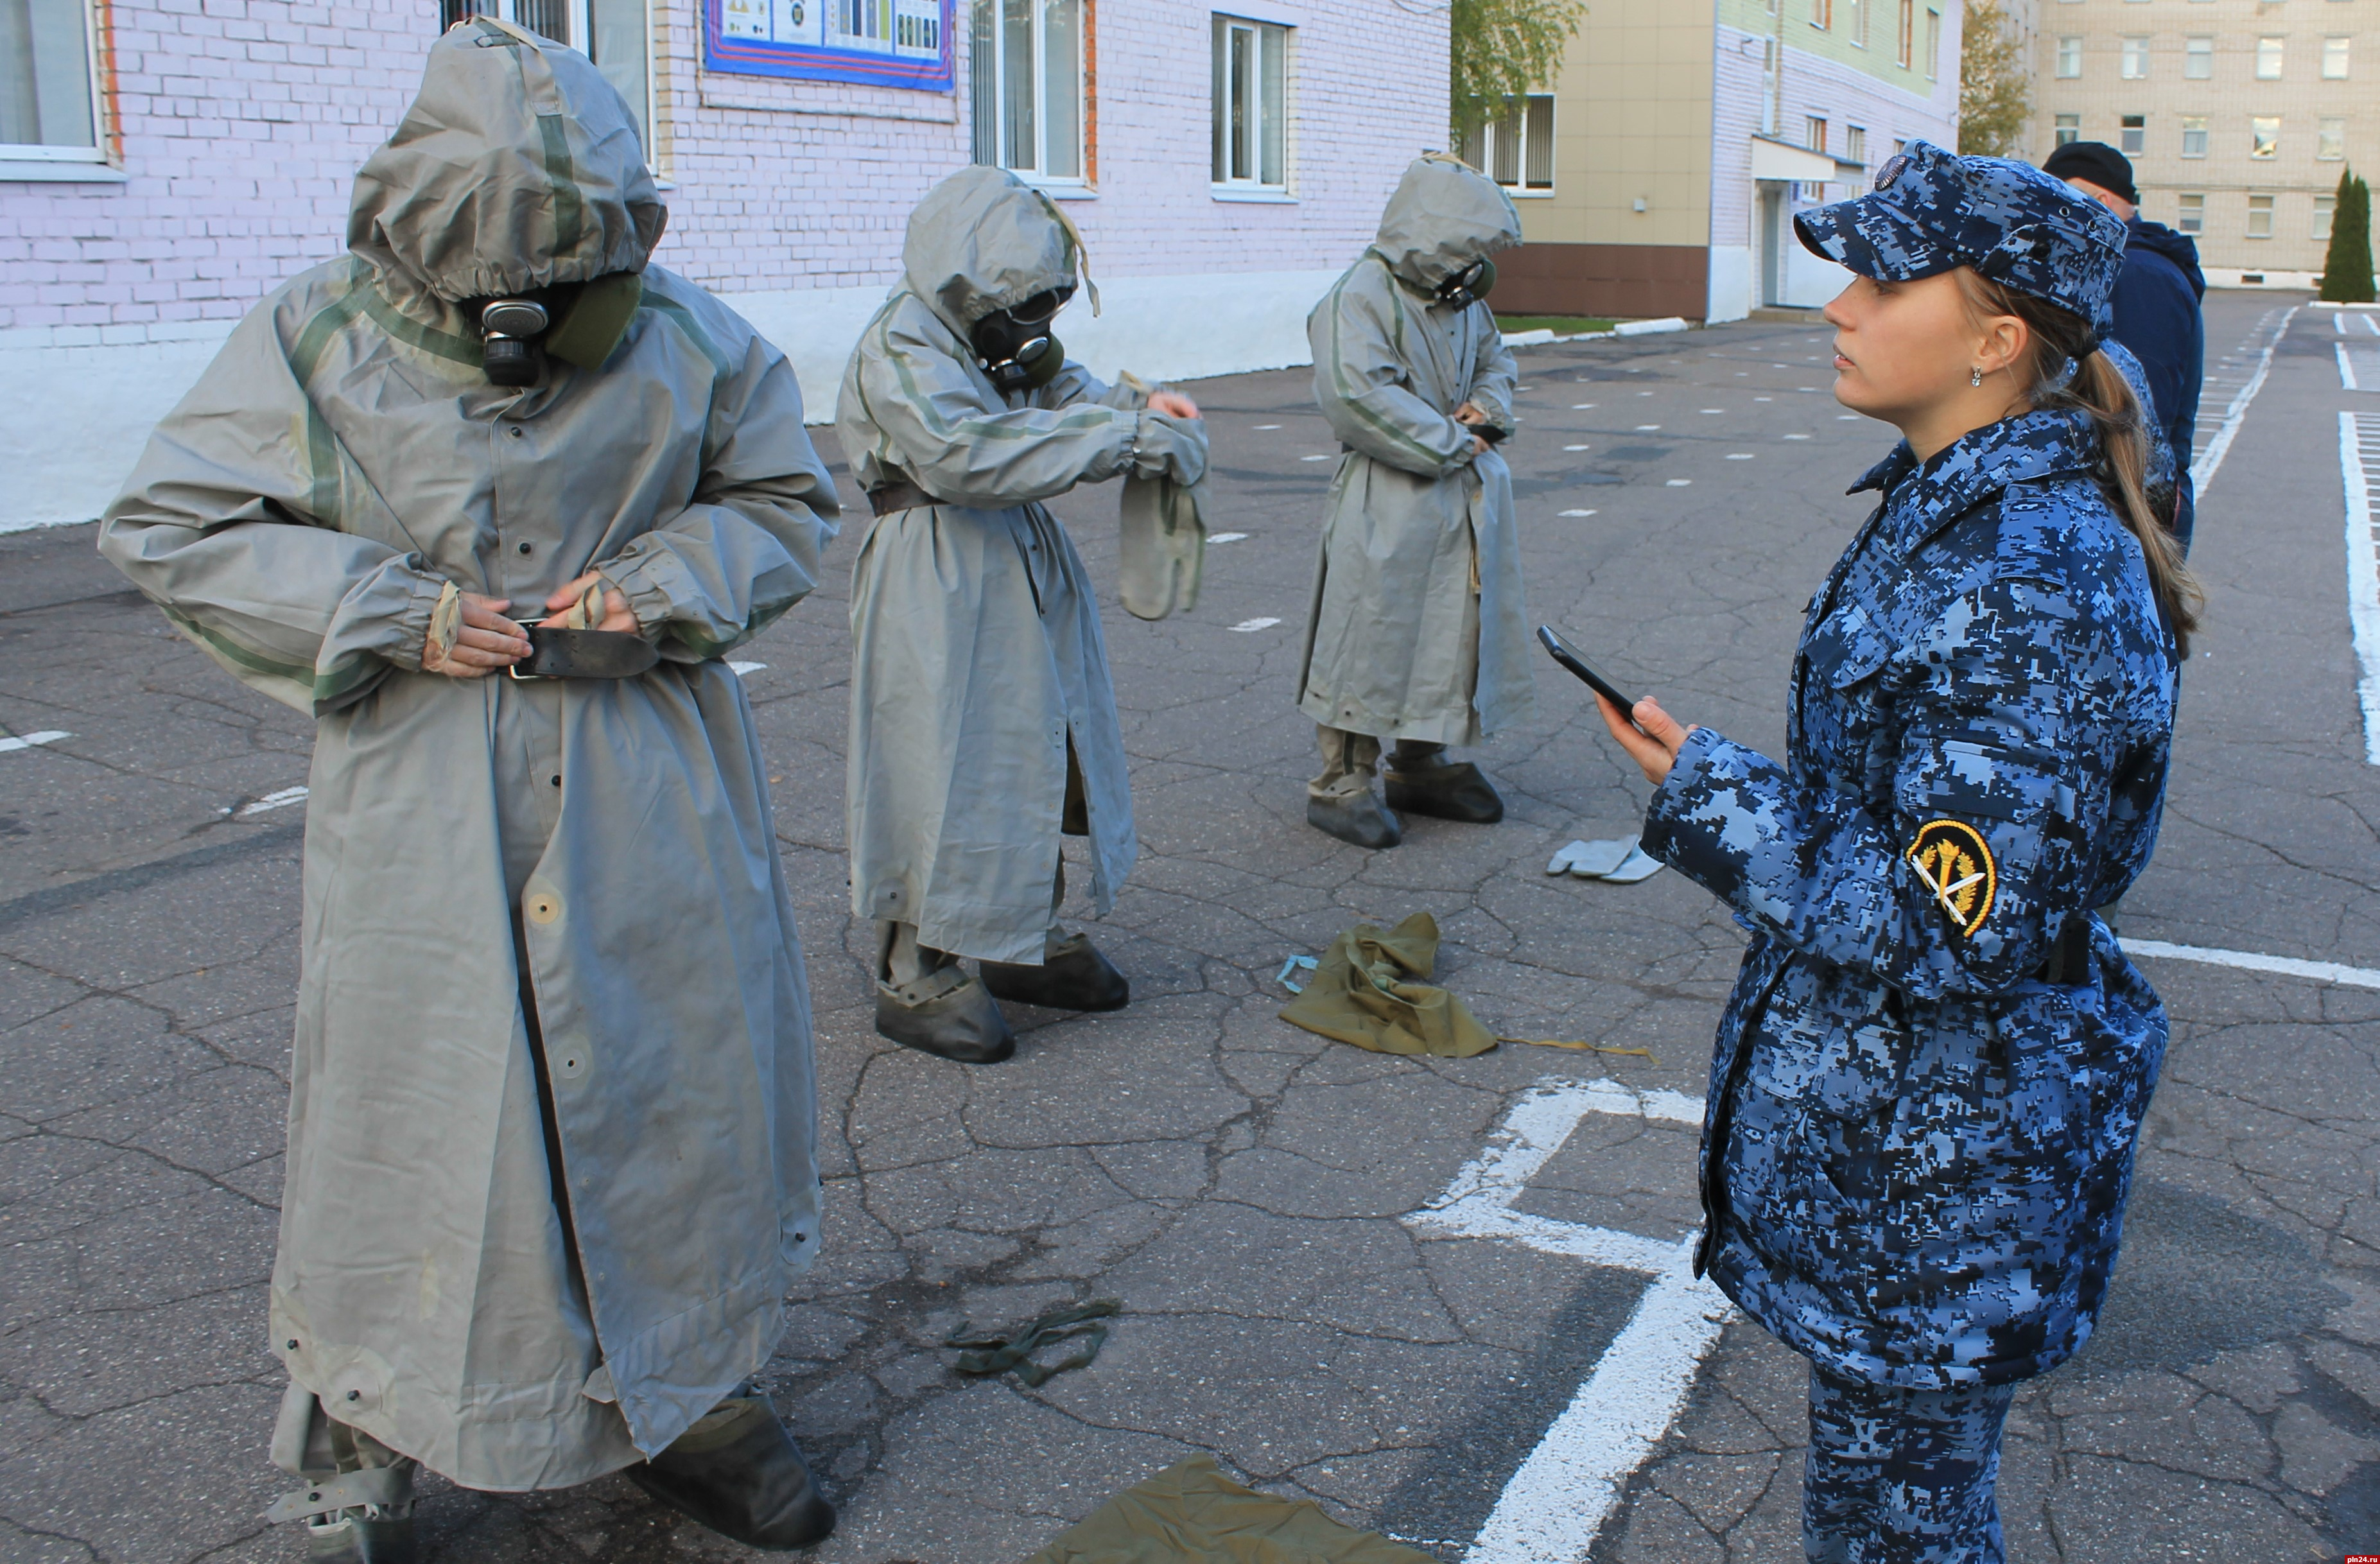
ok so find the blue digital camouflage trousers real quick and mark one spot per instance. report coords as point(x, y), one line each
point(1902, 1476)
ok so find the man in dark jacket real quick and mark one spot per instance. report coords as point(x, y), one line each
point(2156, 303)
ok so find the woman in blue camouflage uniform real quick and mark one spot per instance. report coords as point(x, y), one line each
point(1930, 1076)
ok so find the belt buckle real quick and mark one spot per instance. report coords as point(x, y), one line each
point(512, 670)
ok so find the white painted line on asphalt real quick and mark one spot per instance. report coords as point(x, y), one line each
point(29, 741)
point(2347, 369)
point(744, 670)
point(1245, 626)
point(1555, 1504)
point(1680, 482)
point(2362, 565)
point(2203, 470)
point(1578, 513)
point(1225, 538)
point(1323, 457)
point(1267, 426)
point(1738, 455)
point(2250, 961)
point(271, 801)
point(1578, 447)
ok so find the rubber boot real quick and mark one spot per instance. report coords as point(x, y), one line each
point(349, 1537)
point(1360, 818)
point(962, 1023)
point(1072, 976)
point(358, 1501)
point(1421, 780)
point(738, 1472)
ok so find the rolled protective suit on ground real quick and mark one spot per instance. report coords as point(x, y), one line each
point(444, 1282)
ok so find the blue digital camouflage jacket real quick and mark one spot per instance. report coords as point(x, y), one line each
point(1917, 1150)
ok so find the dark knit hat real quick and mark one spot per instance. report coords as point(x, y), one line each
point(2097, 162)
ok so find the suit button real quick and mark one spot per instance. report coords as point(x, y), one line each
point(525, 548)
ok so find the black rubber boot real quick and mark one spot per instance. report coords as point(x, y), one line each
point(963, 1023)
point(738, 1472)
point(1074, 977)
point(350, 1538)
point(1421, 781)
point(1361, 820)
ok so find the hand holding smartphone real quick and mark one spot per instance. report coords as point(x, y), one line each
point(1568, 657)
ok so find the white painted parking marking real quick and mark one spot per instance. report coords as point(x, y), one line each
point(2251, 961)
point(1555, 1504)
point(1580, 406)
point(271, 801)
point(1643, 427)
point(1680, 482)
point(1323, 457)
point(1246, 626)
point(1578, 447)
point(1578, 513)
point(31, 740)
point(2203, 470)
point(1267, 426)
point(2358, 471)
point(2347, 369)
point(1225, 538)
point(1738, 455)
point(745, 670)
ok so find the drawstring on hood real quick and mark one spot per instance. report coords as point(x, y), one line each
point(517, 169)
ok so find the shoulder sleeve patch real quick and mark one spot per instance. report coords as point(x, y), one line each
point(1953, 863)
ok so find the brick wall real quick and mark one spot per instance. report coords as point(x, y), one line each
point(240, 124)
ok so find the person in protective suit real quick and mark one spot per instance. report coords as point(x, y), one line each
point(983, 720)
point(1417, 630)
point(489, 498)
point(1929, 1081)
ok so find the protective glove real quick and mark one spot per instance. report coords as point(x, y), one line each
point(1165, 446)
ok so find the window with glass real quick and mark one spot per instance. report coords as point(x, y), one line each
point(1027, 72)
point(1822, 12)
point(2322, 208)
point(2132, 135)
point(2135, 67)
point(1814, 133)
point(2260, 217)
point(1251, 100)
point(615, 34)
point(1855, 142)
point(1856, 22)
point(2330, 138)
point(2067, 129)
point(1933, 43)
point(2334, 58)
point(2193, 214)
point(2069, 59)
point(2265, 132)
point(2198, 58)
point(1516, 148)
point(2193, 135)
point(1905, 36)
point(48, 101)
point(2269, 52)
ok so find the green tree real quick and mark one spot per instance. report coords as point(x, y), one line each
point(1995, 86)
point(2346, 271)
point(1502, 49)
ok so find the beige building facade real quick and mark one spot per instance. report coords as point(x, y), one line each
point(2239, 116)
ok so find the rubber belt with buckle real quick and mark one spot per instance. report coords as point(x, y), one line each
point(583, 654)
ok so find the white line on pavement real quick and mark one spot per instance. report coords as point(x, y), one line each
point(2202, 471)
point(1247, 625)
point(745, 670)
point(271, 801)
point(28, 741)
point(2347, 368)
point(2363, 570)
point(2250, 961)
point(1556, 1502)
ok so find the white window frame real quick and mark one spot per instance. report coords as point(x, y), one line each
point(2275, 47)
point(1268, 38)
point(2069, 59)
point(2198, 52)
point(1002, 154)
point(2065, 129)
point(1933, 43)
point(2133, 140)
point(44, 152)
point(2192, 216)
point(2341, 48)
point(2134, 61)
point(2260, 148)
point(2193, 135)
point(1481, 153)
point(2330, 139)
point(2325, 207)
point(2266, 210)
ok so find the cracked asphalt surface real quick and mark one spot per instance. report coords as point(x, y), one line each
point(1237, 1183)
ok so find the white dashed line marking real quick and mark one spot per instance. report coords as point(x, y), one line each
point(1680, 482)
point(29, 741)
point(1246, 626)
point(2359, 471)
point(1578, 447)
point(1267, 426)
point(2250, 961)
point(1738, 455)
point(1764, 399)
point(271, 801)
point(1554, 1505)
point(1797, 437)
point(1578, 513)
point(1580, 406)
point(1707, 411)
point(1643, 427)
point(2210, 460)
point(1225, 538)
point(1323, 457)
point(744, 670)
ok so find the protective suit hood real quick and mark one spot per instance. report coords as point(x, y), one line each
point(1443, 217)
point(982, 241)
point(517, 167)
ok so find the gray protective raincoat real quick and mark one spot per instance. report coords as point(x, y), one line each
point(297, 515)
point(1418, 628)
point(978, 658)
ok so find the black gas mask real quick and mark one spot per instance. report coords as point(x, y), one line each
point(1469, 285)
point(1015, 345)
point(578, 322)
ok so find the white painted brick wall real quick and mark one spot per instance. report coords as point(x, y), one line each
point(242, 121)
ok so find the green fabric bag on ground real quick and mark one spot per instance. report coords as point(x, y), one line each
point(1191, 1514)
point(1365, 993)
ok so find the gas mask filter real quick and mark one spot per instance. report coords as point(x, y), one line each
point(508, 332)
point(1015, 347)
point(1469, 285)
point(579, 323)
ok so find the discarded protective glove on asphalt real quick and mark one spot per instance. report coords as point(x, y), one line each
point(981, 1356)
point(1191, 1514)
point(1617, 859)
point(1365, 993)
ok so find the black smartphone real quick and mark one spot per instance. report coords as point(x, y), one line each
point(1570, 658)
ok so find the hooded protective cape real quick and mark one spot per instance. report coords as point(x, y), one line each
point(1417, 629)
point(513, 1319)
point(978, 663)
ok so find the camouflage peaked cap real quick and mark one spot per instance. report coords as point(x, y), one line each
point(1931, 211)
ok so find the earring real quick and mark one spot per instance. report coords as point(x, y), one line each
point(1976, 376)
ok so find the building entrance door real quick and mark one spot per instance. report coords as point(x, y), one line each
point(1772, 235)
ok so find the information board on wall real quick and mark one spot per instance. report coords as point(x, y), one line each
point(882, 42)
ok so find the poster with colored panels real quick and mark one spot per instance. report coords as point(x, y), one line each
point(881, 43)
